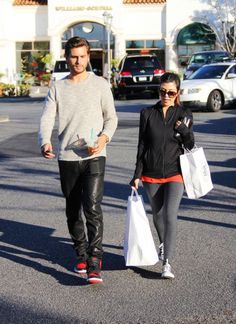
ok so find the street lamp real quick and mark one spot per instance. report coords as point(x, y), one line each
point(107, 22)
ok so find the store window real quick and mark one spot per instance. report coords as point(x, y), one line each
point(32, 58)
point(147, 46)
point(194, 38)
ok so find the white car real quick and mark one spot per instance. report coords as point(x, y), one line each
point(211, 87)
point(61, 69)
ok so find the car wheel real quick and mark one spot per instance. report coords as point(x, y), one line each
point(215, 101)
point(116, 95)
point(122, 96)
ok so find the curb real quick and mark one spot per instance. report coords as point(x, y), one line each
point(36, 94)
point(4, 119)
point(21, 99)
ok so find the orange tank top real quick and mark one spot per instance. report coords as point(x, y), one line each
point(175, 178)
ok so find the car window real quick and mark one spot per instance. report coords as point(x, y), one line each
point(141, 62)
point(198, 59)
point(208, 58)
point(232, 70)
point(220, 57)
point(209, 72)
point(61, 66)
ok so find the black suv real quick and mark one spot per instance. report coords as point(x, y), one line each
point(138, 73)
point(199, 59)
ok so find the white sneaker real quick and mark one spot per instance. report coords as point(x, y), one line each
point(161, 252)
point(166, 271)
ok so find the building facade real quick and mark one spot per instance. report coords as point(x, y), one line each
point(33, 32)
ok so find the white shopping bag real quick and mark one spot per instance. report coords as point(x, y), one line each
point(139, 247)
point(196, 173)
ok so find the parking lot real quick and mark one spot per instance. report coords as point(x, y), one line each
point(37, 282)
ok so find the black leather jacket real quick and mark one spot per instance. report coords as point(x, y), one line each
point(159, 145)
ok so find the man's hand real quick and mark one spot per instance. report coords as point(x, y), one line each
point(99, 144)
point(47, 151)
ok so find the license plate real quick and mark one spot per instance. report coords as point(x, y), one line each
point(142, 79)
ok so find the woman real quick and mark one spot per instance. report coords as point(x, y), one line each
point(163, 131)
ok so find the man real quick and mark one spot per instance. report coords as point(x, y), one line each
point(87, 120)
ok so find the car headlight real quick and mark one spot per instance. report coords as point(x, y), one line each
point(194, 90)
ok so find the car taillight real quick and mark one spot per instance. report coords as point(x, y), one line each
point(159, 72)
point(122, 84)
point(126, 74)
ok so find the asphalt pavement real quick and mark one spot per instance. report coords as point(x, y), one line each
point(37, 282)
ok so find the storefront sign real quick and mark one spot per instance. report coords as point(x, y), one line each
point(83, 8)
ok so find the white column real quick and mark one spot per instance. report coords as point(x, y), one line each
point(171, 57)
point(55, 47)
point(119, 46)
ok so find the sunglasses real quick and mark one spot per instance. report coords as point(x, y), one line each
point(170, 94)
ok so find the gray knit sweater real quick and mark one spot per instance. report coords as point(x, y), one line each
point(84, 110)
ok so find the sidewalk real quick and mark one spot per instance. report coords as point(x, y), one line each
point(37, 93)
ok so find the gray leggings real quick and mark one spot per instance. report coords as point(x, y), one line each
point(165, 200)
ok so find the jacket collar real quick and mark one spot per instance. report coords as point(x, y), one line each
point(158, 106)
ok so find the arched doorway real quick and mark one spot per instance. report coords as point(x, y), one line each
point(193, 38)
point(96, 34)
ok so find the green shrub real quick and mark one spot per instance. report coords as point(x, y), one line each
point(46, 77)
point(12, 90)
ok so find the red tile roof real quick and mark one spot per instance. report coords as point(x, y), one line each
point(143, 1)
point(30, 2)
point(45, 2)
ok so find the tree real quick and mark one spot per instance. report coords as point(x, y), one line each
point(222, 17)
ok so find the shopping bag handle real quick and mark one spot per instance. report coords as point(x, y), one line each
point(192, 149)
point(134, 190)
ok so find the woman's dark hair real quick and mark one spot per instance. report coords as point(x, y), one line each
point(172, 77)
point(75, 42)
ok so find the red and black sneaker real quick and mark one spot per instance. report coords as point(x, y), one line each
point(94, 271)
point(81, 267)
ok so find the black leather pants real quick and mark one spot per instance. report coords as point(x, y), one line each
point(82, 184)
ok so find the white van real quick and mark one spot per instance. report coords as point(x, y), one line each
point(61, 69)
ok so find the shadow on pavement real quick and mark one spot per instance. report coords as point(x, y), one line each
point(23, 145)
point(32, 245)
point(13, 312)
point(206, 221)
point(224, 125)
point(147, 274)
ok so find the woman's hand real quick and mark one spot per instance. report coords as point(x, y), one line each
point(178, 123)
point(134, 183)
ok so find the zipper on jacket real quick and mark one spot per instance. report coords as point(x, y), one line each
point(163, 147)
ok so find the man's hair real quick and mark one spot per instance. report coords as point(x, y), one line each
point(75, 42)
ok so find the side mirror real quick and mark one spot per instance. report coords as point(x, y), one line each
point(231, 76)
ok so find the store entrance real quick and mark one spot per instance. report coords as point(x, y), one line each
point(96, 35)
point(97, 61)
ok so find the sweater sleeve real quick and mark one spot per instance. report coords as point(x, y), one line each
point(109, 112)
point(48, 118)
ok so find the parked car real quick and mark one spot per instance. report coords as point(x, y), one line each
point(61, 69)
point(199, 59)
point(138, 73)
point(212, 86)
